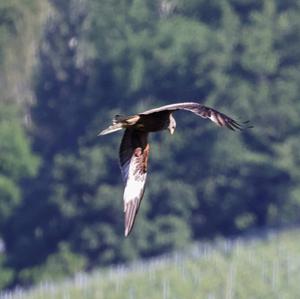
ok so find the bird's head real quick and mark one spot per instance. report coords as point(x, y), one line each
point(172, 124)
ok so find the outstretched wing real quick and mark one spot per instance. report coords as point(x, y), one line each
point(134, 151)
point(206, 112)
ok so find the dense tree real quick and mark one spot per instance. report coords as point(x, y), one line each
point(99, 58)
point(17, 165)
point(19, 34)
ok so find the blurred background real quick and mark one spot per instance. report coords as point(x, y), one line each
point(67, 67)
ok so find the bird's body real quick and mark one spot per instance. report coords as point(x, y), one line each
point(134, 148)
point(142, 122)
point(153, 122)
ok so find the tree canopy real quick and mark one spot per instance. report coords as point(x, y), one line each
point(99, 58)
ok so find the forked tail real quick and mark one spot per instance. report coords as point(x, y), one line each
point(119, 122)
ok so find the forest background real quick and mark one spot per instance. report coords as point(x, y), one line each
point(67, 67)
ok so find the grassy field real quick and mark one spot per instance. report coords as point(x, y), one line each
point(265, 267)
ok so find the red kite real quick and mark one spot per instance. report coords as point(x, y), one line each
point(134, 149)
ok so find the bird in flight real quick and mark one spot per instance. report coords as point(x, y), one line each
point(134, 148)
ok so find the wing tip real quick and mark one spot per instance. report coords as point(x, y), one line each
point(236, 126)
point(246, 125)
point(126, 233)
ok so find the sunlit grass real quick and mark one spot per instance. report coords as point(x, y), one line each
point(267, 267)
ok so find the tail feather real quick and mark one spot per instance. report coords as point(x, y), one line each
point(119, 122)
point(119, 118)
point(113, 128)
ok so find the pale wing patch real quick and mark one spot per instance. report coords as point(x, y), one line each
point(135, 186)
point(217, 117)
point(175, 106)
point(134, 152)
point(136, 177)
point(134, 190)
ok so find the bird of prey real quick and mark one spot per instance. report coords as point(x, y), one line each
point(134, 148)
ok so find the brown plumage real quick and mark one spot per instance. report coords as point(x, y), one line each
point(134, 148)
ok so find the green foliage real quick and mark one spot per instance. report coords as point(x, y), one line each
point(20, 27)
point(19, 33)
point(98, 58)
point(57, 266)
point(10, 198)
point(16, 161)
point(263, 268)
point(6, 274)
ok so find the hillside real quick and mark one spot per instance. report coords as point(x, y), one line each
point(67, 67)
point(268, 267)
